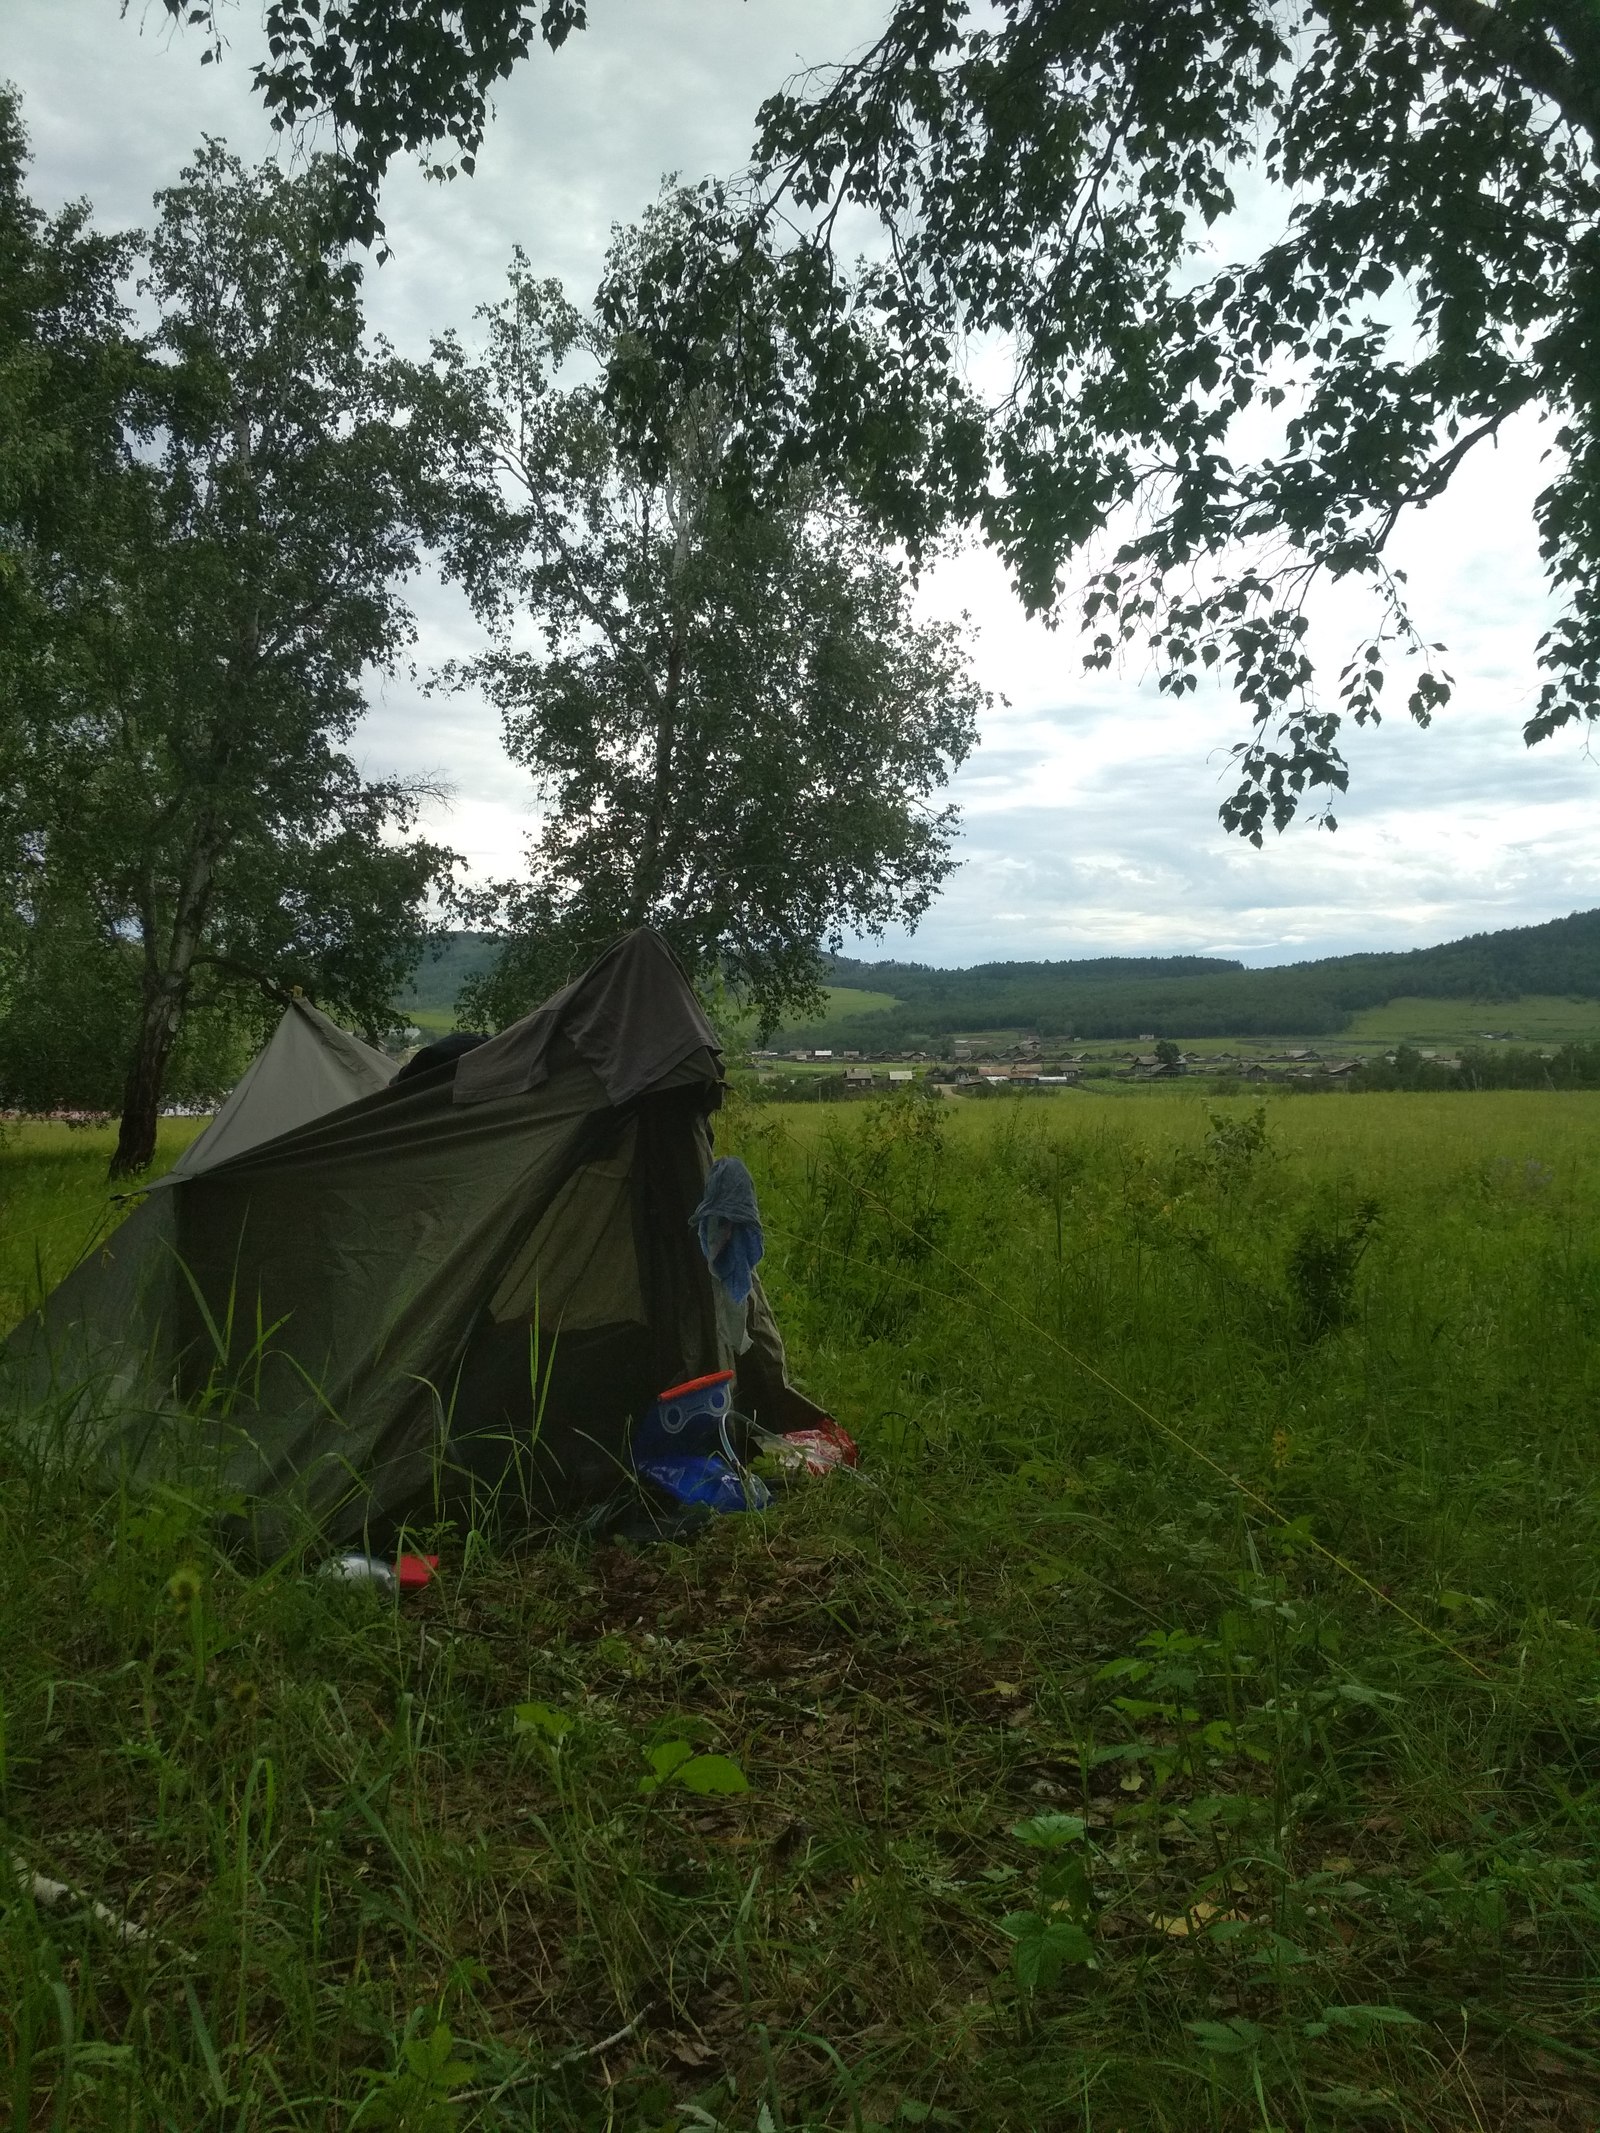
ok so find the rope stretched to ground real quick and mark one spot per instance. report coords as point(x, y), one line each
point(529, 2075)
point(56, 1895)
point(1252, 1496)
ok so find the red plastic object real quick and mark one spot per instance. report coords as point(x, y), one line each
point(713, 1377)
point(415, 1571)
point(825, 1447)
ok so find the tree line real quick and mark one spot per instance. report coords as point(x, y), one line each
point(1571, 1066)
point(1197, 996)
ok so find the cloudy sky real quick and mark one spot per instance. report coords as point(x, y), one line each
point(1090, 809)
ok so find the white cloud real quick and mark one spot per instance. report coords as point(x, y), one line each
point(1091, 807)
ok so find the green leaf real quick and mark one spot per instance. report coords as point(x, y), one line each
point(429, 2059)
point(711, 1774)
point(542, 1719)
point(1366, 2016)
point(1122, 1751)
point(1045, 1947)
point(1228, 2038)
point(1064, 1885)
point(1359, 1692)
point(704, 1774)
point(1049, 1833)
point(664, 1758)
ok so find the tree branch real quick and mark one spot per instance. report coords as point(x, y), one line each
point(1571, 84)
point(271, 986)
point(1439, 473)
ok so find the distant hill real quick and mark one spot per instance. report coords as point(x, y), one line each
point(1126, 996)
point(437, 981)
point(1197, 996)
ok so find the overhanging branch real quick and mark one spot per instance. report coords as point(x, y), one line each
point(1571, 83)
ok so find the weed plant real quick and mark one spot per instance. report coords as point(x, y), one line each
point(1039, 1777)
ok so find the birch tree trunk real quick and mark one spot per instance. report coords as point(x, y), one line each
point(166, 996)
point(647, 866)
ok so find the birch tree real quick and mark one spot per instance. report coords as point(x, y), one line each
point(184, 772)
point(736, 727)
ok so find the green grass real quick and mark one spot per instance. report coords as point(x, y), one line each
point(1536, 1018)
point(1082, 1792)
point(844, 1002)
point(432, 1021)
point(55, 1201)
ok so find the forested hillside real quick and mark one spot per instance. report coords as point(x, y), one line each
point(1193, 996)
point(438, 978)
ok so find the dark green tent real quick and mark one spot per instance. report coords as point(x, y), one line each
point(460, 1289)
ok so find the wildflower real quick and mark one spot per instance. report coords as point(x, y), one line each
point(184, 1587)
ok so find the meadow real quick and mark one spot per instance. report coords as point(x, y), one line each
point(55, 1201)
point(1534, 1018)
point(1188, 1718)
point(432, 1021)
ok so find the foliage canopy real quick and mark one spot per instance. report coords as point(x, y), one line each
point(392, 78)
point(203, 626)
point(735, 723)
point(1059, 176)
point(1058, 179)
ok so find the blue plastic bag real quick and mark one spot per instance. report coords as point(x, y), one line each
point(710, 1480)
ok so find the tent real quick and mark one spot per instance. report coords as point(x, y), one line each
point(308, 1067)
point(453, 1293)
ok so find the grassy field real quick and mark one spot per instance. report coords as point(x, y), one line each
point(1188, 1720)
point(1536, 1018)
point(845, 1002)
point(55, 1201)
point(432, 1021)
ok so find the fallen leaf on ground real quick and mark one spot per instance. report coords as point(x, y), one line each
point(1194, 1920)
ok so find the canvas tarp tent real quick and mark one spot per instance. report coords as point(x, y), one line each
point(466, 1284)
point(308, 1067)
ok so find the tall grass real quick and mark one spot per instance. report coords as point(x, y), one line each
point(56, 1201)
point(1083, 1791)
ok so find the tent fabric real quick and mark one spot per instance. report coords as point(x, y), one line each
point(632, 1017)
point(578, 1268)
point(310, 1066)
point(415, 1308)
point(444, 1051)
